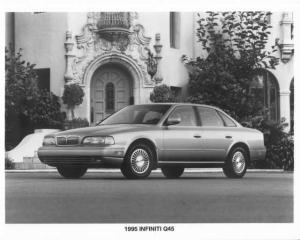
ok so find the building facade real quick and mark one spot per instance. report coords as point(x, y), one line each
point(107, 54)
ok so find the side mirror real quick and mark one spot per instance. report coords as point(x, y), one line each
point(173, 121)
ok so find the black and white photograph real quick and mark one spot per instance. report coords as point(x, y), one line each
point(149, 123)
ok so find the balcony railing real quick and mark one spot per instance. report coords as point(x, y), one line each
point(114, 21)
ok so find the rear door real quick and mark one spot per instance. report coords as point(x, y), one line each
point(216, 137)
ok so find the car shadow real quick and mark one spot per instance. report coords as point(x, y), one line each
point(119, 177)
point(97, 176)
point(116, 176)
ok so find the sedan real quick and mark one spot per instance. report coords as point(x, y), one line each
point(140, 138)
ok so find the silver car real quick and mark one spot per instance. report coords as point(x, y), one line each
point(140, 138)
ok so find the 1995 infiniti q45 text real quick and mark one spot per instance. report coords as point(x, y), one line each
point(140, 138)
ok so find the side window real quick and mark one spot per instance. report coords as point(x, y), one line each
point(227, 120)
point(152, 117)
point(186, 114)
point(209, 117)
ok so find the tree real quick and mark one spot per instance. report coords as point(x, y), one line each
point(20, 83)
point(72, 96)
point(26, 106)
point(20, 92)
point(235, 47)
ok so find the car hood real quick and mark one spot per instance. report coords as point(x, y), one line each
point(103, 130)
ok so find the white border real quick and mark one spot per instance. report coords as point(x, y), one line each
point(183, 231)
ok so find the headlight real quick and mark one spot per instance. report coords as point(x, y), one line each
point(99, 140)
point(49, 141)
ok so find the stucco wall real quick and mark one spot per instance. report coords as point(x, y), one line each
point(9, 28)
point(174, 72)
point(42, 36)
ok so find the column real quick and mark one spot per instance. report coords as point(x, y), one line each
point(158, 77)
point(285, 107)
point(286, 43)
point(69, 57)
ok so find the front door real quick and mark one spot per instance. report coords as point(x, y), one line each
point(181, 141)
point(110, 91)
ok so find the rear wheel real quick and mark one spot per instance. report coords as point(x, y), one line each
point(138, 162)
point(71, 172)
point(236, 163)
point(172, 172)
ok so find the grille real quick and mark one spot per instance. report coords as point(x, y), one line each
point(69, 140)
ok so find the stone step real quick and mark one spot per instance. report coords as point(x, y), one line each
point(34, 159)
point(31, 165)
point(27, 159)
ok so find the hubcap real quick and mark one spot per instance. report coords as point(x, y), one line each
point(140, 161)
point(239, 162)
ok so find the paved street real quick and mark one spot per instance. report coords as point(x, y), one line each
point(109, 198)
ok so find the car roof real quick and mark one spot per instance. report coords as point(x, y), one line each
point(181, 104)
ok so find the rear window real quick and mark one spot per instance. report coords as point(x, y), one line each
point(228, 122)
point(209, 117)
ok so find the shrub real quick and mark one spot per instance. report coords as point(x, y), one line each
point(76, 123)
point(72, 96)
point(279, 144)
point(9, 163)
point(45, 112)
point(162, 93)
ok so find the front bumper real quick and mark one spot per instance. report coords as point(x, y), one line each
point(82, 155)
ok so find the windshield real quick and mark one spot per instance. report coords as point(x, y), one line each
point(137, 114)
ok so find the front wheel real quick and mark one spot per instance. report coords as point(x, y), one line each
point(138, 162)
point(71, 172)
point(172, 172)
point(236, 163)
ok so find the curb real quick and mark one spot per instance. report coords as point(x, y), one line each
point(188, 170)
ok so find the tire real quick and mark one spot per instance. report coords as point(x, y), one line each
point(138, 162)
point(71, 172)
point(172, 172)
point(236, 163)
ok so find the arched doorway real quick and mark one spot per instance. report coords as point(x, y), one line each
point(265, 88)
point(111, 89)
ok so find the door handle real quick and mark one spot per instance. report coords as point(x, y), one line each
point(197, 136)
point(228, 136)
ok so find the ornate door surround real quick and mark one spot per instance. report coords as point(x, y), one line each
point(109, 38)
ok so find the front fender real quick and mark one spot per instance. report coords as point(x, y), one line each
point(155, 137)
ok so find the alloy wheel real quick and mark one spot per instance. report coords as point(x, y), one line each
point(238, 162)
point(140, 161)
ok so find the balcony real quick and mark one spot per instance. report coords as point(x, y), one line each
point(113, 23)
